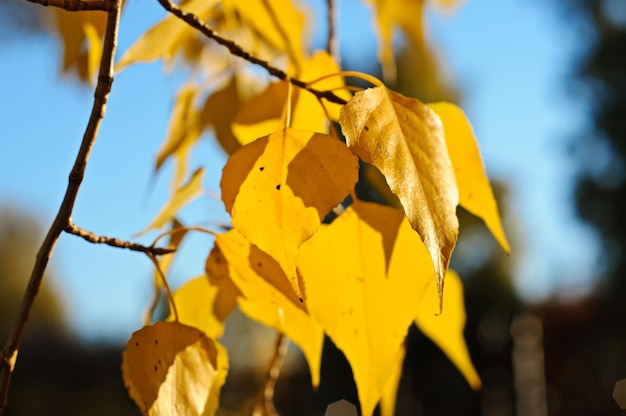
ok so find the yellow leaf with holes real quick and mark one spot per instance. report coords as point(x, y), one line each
point(404, 139)
point(173, 369)
point(165, 39)
point(265, 113)
point(475, 193)
point(390, 394)
point(446, 329)
point(182, 196)
point(267, 296)
point(280, 187)
point(277, 22)
point(364, 275)
point(195, 302)
point(183, 133)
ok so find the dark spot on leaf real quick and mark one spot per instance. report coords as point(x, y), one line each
point(301, 300)
point(259, 264)
point(156, 341)
point(160, 362)
point(156, 368)
point(261, 168)
point(366, 128)
point(278, 187)
point(136, 344)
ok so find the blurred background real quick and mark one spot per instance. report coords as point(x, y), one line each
point(544, 84)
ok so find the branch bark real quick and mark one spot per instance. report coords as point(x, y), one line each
point(77, 5)
point(235, 49)
point(116, 242)
point(265, 405)
point(63, 218)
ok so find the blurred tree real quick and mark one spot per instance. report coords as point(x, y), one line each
point(586, 342)
point(19, 239)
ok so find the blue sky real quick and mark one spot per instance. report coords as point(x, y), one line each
point(509, 58)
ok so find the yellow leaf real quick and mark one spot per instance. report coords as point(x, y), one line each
point(94, 50)
point(277, 22)
point(183, 132)
point(267, 297)
point(264, 114)
point(280, 187)
point(174, 369)
point(216, 269)
point(81, 35)
point(475, 192)
point(388, 401)
point(195, 302)
point(181, 197)
point(165, 39)
point(446, 330)
point(404, 139)
point(364, 275)
point(219, 111)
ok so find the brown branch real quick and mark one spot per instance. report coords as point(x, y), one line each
point(77, 5)
point(235, 49)
point(62, 219)
point(116, 242)
point(265, 405)
point(332, 46)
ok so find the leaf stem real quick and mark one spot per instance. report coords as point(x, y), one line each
point(168, 291)
point(63, 218)
point(235, 49)
point(265, 405)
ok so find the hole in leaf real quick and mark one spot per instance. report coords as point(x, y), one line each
point(261, 168)
point(278, 187)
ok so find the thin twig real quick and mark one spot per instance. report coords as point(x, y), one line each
point(332, 44)
point(235, 49)
point(77, 5)
point(116, 242)
point(265, 405)
point(62, 219)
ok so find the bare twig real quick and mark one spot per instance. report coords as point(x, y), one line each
point(265, 405)
point(77, 5)
point(116, 242)
point(235, 49)
point(332, 44)
point(63, 217)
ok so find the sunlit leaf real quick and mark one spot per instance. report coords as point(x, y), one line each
point(267, 297)
point(280, 187)
point(195, 306)
point(217, 271)
point(404, 139)
point(94, 50)
point(165, 39)
point(475, 192)
point(174, 369)
point(265, 113)
point(388, 401)
point(446, 330)
point(364, 275)
point(219, 111)
point(183, 132)
point(181, 197)
point(277, 22)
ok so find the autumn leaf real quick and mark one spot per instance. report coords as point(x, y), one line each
point(181, 197)
point(364, 275)
point(165, 39)
point(446, 329)
point(81, 35)
point(277, 22)
point(404, 139)
point(267, 296)
point(174, 369)
point(218, 273)
point(195, 302)
point(475, 193)
point(280, 187)
point(389, 398)
point(264, 114)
